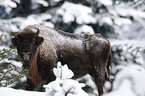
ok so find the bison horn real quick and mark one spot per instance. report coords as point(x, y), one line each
point(38, 31)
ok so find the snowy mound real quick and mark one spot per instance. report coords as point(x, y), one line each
point(63, 85)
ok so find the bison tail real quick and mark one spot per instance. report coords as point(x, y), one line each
point(108, 69)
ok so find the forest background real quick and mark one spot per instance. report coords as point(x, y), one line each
point(121, 21)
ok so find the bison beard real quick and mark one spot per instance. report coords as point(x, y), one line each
point(40, 48)
point(35, 75)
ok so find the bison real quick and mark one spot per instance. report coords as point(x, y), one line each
point(40, 48)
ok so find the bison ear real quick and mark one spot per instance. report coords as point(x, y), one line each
point(39, 40)
point(14, 42)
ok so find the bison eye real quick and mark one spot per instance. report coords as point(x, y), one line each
point(18, 42)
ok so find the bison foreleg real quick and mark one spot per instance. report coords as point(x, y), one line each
point(30, 85)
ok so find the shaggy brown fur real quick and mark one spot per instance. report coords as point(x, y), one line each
point(40, 48)
point(35, 75)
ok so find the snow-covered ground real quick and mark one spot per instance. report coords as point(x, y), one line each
point(130, 81)
point(5, 91)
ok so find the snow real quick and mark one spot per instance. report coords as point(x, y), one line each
point(81, 13)
point(63, 84)
point(84, 29)
point(121, 21)
point(128, 42)
point(44, 3)
point(62, 72)
point(8, 4)
point(123, 90)
point(4, 37)
point(134, 29)
point(61, 87)
point(106, 2)
point(35, 19)
point(4, 47)
point(5, 91)
point(129, 82)
point(106, 20)
point(121, 10)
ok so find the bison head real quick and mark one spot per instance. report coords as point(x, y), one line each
point(27, 43)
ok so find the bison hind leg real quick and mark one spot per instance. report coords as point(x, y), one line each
point(98, 75)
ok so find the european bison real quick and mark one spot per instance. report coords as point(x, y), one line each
point(40, 48)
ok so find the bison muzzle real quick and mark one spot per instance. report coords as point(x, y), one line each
point(40, 48)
